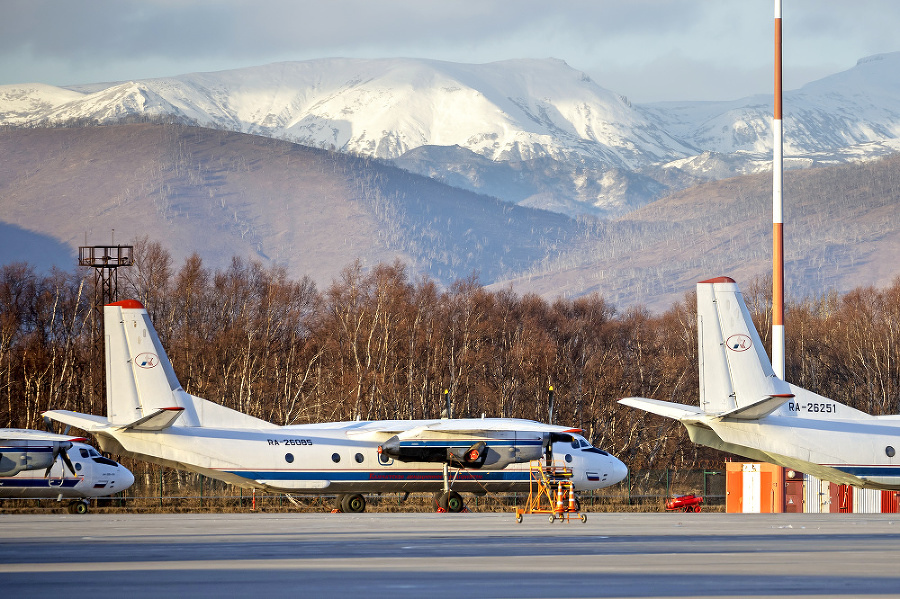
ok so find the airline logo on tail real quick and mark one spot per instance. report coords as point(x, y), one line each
point(146, 360)
point(739, 342)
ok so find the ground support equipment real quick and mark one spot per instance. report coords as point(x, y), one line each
point(685, 503)
point(551, 492)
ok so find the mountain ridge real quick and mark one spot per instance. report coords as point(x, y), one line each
point(545, 131)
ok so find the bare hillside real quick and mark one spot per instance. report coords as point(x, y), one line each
point(222, 194)
point(842, 230)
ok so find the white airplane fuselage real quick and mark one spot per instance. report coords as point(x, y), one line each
point(331, 459)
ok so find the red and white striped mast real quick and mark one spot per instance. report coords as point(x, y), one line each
point(777, 215)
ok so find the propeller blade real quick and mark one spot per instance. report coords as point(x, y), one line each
point(65, 457)
point(56, 449)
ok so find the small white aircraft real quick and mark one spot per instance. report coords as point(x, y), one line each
point(34, 464)
point(150, 416)
point(745, 409)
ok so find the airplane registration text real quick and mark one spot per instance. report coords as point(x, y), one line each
point(290, 441)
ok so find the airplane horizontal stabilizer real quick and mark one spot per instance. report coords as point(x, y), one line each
point(86, 422)
point(161, 419)
point(760, 409)
point(20, 434)
point(664, 408)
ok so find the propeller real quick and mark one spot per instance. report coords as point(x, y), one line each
point(60, 450)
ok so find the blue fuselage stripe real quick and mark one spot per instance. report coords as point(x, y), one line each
point(376, 475)
point(36, 483)
point(869, 471)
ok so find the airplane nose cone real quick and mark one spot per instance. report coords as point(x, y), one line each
point(619, 471)
point(124, 478)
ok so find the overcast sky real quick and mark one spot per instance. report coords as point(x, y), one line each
point(648, 50)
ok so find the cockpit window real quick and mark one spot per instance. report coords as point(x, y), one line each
point(585, 443)
point(594, 450)
point(107, 461)
point(94, 453)
point(84, 452)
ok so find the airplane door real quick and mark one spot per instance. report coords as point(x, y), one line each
point(793, 496)
point(752, 484)
point(57, 474)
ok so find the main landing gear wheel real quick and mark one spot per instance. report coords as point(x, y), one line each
point(451, 502)
point(78, 507)
point(353, 503)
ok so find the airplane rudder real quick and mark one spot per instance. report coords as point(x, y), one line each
point(750, 369)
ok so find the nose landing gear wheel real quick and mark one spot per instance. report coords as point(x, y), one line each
point(78, 507)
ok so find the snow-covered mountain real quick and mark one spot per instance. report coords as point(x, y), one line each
point(533, 132)
point(512, 110)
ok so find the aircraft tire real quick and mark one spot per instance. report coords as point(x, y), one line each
point(353, 503)
point(450, 501)
point(455, 503)
point(78, 507)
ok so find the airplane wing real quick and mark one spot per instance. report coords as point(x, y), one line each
point(485, 425)
point(468, 426)
point(18, 434)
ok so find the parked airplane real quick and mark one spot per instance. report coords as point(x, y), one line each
point(150, 416)
point(34, 464)
point(745, 409)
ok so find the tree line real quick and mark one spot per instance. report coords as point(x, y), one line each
point(382, 344)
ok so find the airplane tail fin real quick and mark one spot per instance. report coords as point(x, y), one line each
point(142, 391)
point(736, 375)
point(140, 380)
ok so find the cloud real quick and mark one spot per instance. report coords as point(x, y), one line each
point(672, 44)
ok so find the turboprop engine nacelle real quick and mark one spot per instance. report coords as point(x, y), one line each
point(476, 455)
point(18, 459)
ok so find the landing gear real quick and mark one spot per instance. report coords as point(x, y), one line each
point(352, 503)
point(78, 507)
point(450, 501)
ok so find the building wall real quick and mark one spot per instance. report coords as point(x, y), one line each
point(753, 487)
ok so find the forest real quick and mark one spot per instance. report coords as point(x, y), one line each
point(379, 343)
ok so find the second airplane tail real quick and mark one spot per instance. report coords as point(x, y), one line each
point(736, 375)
